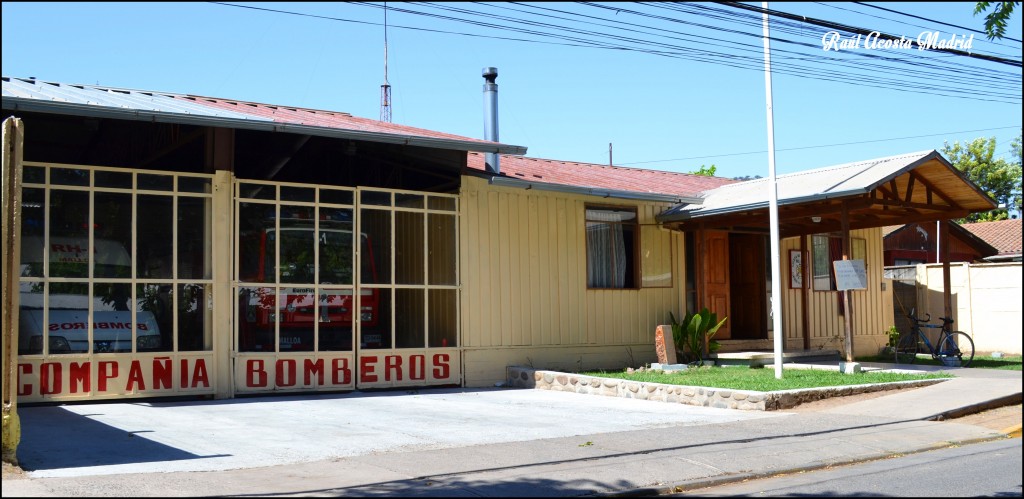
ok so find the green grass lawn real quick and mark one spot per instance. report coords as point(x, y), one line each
point(1009, 363)
point(762, 380)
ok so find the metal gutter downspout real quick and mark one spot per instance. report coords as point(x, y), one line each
point(491, 160)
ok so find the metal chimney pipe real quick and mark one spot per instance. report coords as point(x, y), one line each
point(491, 159)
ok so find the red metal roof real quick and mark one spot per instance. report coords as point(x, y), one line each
point(601, 176)
point(1004, 235)
point(312, 117)
point(533, 169)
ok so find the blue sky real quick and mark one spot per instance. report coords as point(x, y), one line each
point(676, 111)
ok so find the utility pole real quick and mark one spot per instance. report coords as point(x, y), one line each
point(385, 89)
point(773, 204)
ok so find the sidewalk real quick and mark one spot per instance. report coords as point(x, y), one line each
point(517, 450)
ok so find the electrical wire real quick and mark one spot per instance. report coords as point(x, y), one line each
point(959, 81)
point(931, 20)
point(820, 146)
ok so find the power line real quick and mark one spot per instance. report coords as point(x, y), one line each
point(819, 146)
point(825, 4)
point(970, 88)
point(931, 20)
point(734, 60)
point(863, 31)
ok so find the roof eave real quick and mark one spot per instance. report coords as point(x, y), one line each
point(760, 205)
point(590, 191)
point(92, 111)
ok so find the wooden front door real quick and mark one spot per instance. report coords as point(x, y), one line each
point(749, 317)
point(716, 278)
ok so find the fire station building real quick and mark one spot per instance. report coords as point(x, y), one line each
point(181, 245)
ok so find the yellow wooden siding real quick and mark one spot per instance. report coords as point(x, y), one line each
point(524, 283)
point(483, 367)
point(870, 317)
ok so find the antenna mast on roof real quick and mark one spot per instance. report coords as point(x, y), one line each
point(385, 89)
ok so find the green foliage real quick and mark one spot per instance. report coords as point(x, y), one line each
point(995, 21)
point(894, 336)
point(999, 178)
point(694, 331)
point(706, 171)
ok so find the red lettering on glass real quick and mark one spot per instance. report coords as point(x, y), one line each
point(80, 375)
point(285, 372)
point(105, 374)
point(135, 377)
point(161, 372)
point(366, 369)
point(312, 368)
point(340, 372)
point(24, 389)
point(392, 363)
point(441, 368)
point(255, 375)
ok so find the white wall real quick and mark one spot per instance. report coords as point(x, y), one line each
point(986, 301)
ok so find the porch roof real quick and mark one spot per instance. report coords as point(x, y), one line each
point(913, 187)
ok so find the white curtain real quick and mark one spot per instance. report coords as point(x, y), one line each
point(606, 250)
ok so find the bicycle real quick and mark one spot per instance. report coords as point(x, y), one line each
point(955, 348)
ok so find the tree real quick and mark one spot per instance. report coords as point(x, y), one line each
point(995, 21)
point(706, 171)
point(999, 178)
point(747, 177)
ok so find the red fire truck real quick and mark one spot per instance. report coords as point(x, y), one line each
point(302, 306)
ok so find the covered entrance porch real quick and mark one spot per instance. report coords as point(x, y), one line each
point(825, 215)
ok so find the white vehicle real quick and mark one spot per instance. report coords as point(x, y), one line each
point(68, 323)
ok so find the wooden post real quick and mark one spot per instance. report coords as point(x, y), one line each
point(13, 141)
point(805, 321)
point(947, 300)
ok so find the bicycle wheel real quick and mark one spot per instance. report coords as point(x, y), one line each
point(959, 345)
point(906, 348)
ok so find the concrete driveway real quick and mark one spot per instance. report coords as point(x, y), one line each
point(154, 436)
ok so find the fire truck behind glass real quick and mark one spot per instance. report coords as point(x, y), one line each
point(325, 299)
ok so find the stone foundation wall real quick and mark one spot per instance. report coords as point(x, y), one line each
point(525, 377)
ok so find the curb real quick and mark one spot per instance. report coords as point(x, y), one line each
point(701, 396)
point(702, 483)
point(1013, 399)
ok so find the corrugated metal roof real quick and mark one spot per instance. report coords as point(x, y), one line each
point(837, 181)
point(92, 95)
point(656, 183)
point(119, 103)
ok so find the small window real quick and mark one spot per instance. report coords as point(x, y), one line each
point(612, 238)
point(827, 249)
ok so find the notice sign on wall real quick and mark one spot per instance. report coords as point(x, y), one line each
point(850, 274)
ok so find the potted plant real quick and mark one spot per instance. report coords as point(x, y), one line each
point(693, 332)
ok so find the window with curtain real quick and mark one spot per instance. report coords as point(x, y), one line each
point(611, 247)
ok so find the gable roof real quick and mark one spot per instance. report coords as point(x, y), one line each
point(1003, 235)
point(595, 179)
point(909, 187)
point(28, 94)
point(892, 233)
